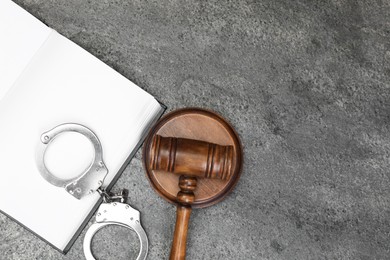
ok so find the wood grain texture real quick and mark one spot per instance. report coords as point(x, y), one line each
point(185, 197)
point(201, 148)
point(182, 156)
point(179, 244)
point(202, 125)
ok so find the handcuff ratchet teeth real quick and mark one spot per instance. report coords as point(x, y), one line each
point(87, 182)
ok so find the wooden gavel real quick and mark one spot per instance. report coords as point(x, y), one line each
point(191, 159)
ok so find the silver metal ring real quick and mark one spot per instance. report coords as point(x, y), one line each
point(88, 181)
point(120, 214)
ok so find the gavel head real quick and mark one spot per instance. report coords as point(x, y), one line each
point(191, 157)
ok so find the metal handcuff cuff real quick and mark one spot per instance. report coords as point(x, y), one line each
point(114, 210)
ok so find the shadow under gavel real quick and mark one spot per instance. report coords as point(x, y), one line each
point(191, 159)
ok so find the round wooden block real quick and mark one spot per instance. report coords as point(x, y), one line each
point(197, 124)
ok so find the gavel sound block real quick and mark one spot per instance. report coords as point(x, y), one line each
point(193, 159)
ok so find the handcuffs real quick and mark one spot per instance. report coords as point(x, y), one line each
point(114, 210)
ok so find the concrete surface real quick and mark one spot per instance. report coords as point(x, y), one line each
point(305, 83)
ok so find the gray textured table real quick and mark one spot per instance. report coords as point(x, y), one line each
point(305, 83)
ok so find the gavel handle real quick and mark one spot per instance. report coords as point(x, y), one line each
point(185, 197)
point(178, 250)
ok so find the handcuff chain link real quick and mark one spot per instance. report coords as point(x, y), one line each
point(109, 197)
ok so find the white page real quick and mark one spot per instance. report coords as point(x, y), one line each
point(64, 83)
point(21, 35)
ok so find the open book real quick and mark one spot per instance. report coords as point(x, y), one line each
point(47, 80)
